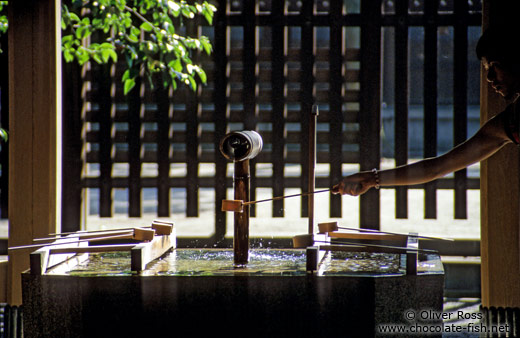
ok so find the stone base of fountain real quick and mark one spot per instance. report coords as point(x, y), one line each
point(255, 302)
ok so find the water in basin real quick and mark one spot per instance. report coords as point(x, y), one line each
point(219, 262)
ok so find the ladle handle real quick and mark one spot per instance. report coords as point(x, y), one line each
point(123, 236)
point(395, 233)
point(287, 196)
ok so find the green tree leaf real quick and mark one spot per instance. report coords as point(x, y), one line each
point(129, 84)
point(146, 26)
point(4, 135)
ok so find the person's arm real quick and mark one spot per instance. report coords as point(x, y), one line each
point(488, 139)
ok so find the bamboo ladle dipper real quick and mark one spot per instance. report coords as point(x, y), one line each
point(302, 241)
point(333, 226)
point(161, 228)
point(238, 205)
point(138, 234)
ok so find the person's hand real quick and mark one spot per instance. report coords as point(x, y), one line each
point(356, 184)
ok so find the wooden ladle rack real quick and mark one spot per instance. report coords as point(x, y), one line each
point(144, 244)
point(317, 245)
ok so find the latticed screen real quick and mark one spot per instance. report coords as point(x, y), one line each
point(155, 152)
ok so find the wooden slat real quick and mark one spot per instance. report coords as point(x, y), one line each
point(401, 89)
point(72, 144)
point(323, 75)
point(134, 150)
point(336, 52)
point(460, 102)
point(323, 137)
point(163, 150)
point(370, 105)
point(430, 101)
point(264, 182)
point(4, 123)
point(278, 57)
point(264, 75)
point(289, 181)
point(249, 81)
point(206, 156)
point(321, 54)
point(192, 146)
point(104, 100)
point(179, 116)
point(306, 97)
point(220, 100)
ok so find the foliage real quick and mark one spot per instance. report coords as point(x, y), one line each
point(4, 135)
point(3, 18)
point(144, 32)
point(3, 29)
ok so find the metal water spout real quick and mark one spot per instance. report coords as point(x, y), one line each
point(240, 147)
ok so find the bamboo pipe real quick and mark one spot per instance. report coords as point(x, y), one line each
point(139, 234)
point(241, 182)
point(333, 226)
point(238, 205)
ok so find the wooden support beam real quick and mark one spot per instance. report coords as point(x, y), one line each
point(34, 116)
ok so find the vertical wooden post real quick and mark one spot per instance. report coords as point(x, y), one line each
point(402, 91)
point(370, 108)
point(4, 122)
point(460, 102)
point(307, 93)
point(278, 57)
point(72, 215)
point(430, 95)
point(34, 113)
point(163, 150)
point(313, 119)
point(499, 201)
point(134, 150)
point(221, 75)
point(336, 118)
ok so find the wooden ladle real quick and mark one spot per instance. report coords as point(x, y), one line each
point(333, 226)
point(238, 205)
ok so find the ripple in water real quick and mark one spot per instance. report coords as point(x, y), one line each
point(215, 262)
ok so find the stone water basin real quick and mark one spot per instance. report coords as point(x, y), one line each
point(199, 292)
